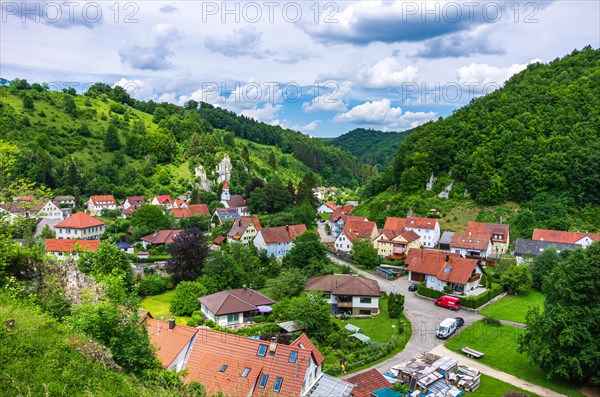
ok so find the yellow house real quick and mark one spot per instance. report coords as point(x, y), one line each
point(243, 230)
point(397, 242)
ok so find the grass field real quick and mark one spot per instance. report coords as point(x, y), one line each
point(514, 307)
point(458, 217)
point(500, 347)
point(158, 306)
point(492, 387)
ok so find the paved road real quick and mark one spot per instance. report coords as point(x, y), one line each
point(325, 238)
point(422, 313)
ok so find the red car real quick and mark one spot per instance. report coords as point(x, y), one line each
point(449, 302)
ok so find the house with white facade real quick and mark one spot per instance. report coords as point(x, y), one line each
point(327, 208)
point(355, 229)
point(80, 226)
point(556, 236)
point(277, 241)
point(164, 200)
point(347, 293)
point(339, 217)
point(96, 204)
point(50, 211)
point(234, 307)
point(441, 269)
point(428, 230)
point(469, 245)
point(500, 233)
point(233, 201)
point(243, 230)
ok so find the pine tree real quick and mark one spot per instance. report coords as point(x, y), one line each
point(111, 139)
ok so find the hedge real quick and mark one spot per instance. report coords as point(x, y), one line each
point(469, 301)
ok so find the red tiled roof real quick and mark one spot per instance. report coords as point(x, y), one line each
point(219, 240)
point(330, 204)
point(212, 350)
point(354, 229)
point(191, 210)
point(162, 236)
point(444, 265)
point(490, 228)
point(135, 200)
point(106, 199)
point(164, 199)
point(470, 241)
point(337, 213)
point(420, 223)
point(226, 185)
point(240, 225)
point(304, 342)
point(390, 235)
point(236, 201)
point(282, 234)
point(394, 223)
point(64, 245)
point(367, 382)
point(169, 342)
point(343, 284)
point(235, 301)
point(80, 220)
point(557, 236)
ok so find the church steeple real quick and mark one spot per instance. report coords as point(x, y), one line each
point(225, 196)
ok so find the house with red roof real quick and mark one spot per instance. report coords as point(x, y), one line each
point(243, 230)
point(160, 237)
point(367, 382)
point(277, 241)
point(470, 245)
point(396, 243)
point(132, 203)
point(338, 219)
point(233, 201)
point(80, 226)
point(190, 210)
point(428, 230)
point(165, 201)
point(556, 236)
point(233, 307)
point(347, 293)
point(96, 204)
point(355, 229)
point(237, 366)
point(500, 235)
point(327, 208)
point(64, 249)
point(441, 269)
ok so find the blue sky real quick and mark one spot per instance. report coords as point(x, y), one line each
point(319, 67)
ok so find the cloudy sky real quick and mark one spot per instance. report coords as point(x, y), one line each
point(319, 67)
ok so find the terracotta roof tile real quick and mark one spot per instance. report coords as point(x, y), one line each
point(558, 236)
point(354, 229)
point(420, 223)
point(64, 245)
point(330, 204)
point(282, 234)
point(490, 228)
point(169, 342)
point(164, 199)
point(470, 241)
point(107, 199)
point(394, 223)
point(190, 210)
point(343, 284)
point(367, 382)
point(162, 236)
point(80, 220)
point(239, 227)
point(445, 266)
point(304, 342)
point(135, 200)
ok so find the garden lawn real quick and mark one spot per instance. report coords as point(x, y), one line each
point(514, 307)
point(500, 347)
point(159, 306)
point(492, 387)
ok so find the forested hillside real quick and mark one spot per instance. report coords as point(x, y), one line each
point(535, 141)
point(371, 146)
point(105, 141)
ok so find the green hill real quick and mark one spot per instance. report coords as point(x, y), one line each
point(370, 146)
point(106, 142)
point(535, 141)
point(41, 357)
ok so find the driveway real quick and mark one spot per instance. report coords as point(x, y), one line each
point(422, 313)
point(325, 238)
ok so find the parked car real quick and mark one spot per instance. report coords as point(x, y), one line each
point(449, 302)
point(459, 321)
point(412, 287)
point(447, 328)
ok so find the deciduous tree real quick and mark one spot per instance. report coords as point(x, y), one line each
point(188, 255)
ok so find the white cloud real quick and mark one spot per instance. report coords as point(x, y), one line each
point(332, 101)
point(267, 114)
point(481, 75)
point(382, 114)
point(153, 55)
point(310, 127)
point(386, 73)
point(462, 44)
point(244, 41)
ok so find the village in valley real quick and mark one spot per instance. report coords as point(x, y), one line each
point(394, 291)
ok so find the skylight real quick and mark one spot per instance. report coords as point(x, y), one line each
point(223, 368)
point(262, 350)
point(245, 372)
point(263, 381)
point(293, 357)
point(447, 269)
point(278, 383)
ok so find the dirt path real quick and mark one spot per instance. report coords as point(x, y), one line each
point(441, 350)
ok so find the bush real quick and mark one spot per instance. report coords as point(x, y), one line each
point(210, 324)
point(395, 305)
point(492, 321)
point(152, 285)
point(261, 319)
point(185, 301)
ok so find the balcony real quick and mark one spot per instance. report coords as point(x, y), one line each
point(344, 304)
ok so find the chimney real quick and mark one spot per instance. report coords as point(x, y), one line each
point(240, 223)
point(287, 228)
point(171, 324)
point(447, 258)
point(273, 346)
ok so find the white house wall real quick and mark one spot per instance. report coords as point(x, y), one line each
point(356, 304)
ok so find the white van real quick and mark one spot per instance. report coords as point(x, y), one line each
point(446, 328)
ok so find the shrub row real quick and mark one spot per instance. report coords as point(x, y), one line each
point(428, 292)
point(472, 302)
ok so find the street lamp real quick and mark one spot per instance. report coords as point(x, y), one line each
point(393, 326)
